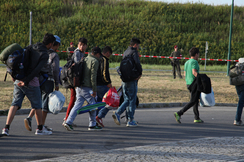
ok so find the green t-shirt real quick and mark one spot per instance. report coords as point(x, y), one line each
point(189, 65)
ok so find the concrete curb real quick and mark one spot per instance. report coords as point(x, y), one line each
point(143, 105)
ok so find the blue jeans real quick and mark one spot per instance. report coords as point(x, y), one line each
point(82, 94)
point(129, 93)
point(240, 93)
point(101, 90)
point(31, 92)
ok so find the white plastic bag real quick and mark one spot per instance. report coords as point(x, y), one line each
point(207, 99)
point(56, 102)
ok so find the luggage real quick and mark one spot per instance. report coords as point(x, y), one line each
point(56, 102)
point(8, 51)
point(111, 98)
point(207, 100)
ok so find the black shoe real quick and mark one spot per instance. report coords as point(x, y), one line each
point(27, 122)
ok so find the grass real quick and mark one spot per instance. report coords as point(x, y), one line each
point(153, 87)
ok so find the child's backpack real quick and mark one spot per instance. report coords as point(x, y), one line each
point(127, 69)
point(18, 63)
point(71, 74)
point(236, 74)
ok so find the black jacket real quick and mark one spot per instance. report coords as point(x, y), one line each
point(201, 83)
point(103, 76)
point(133, 51)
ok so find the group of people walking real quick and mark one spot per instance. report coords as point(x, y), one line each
point(43, 78)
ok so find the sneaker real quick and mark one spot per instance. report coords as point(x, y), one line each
point(95, 128)
point(238, 123)
point(27, 122)
point(43, 132)
point(99, 121)
point(68, 127)
point(132, 124)
point(73, 124)
point(116, 118)
point(198, 121)
point(5, 131)
point(47, 128)
point(177, 117)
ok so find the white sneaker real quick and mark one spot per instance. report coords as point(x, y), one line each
point(238, 123)
point(44, 131)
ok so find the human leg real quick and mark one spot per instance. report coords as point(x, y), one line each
point(131, 91)
point(71, 102)
point(174, 66)
point(178, 69)
point(239, 105)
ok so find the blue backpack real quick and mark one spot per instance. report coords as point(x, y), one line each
point(18, 63)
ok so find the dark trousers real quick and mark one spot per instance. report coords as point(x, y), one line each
point(195, 95)
point(176, 66)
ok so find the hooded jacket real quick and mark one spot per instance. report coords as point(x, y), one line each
point(38, 58)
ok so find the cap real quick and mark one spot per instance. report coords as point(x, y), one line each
point(96, 50)
point(176, 46)
point(71, 43)
point(57, 39)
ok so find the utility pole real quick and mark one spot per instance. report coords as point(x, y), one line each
point(229, 51)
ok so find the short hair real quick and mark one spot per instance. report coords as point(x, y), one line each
point(193, 51)
point(48, 38)
point(96, 50)
point(135, 41)
point(83, 40)
point(56, 43)
point(107, 49)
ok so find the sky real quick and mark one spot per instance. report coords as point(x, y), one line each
point(209, 2)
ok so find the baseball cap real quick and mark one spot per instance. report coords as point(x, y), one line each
point(96, 50)
point(57, 39)
point(176, 46)
point(71, 43)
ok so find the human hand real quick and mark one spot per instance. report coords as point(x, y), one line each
point(21, 84)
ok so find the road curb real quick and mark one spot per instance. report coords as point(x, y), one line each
point(143, 105)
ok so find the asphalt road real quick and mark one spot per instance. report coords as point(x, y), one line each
point(155, 126)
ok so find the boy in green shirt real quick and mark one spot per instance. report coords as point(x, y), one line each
point(191, 70)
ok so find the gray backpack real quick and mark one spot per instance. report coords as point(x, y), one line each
point(236, 74)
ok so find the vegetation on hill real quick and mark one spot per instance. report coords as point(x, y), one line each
point(158, 25)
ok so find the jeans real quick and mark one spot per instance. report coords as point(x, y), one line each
point(129, 93)
point(46, 88)
point(240, 93)
point(31, 92)
point(82, 94)
point(101, 90)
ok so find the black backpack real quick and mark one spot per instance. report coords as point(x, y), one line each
point(71, 74)
point(127, 69)
point(18, 63)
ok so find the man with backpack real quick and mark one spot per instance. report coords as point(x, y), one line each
point(78, 55)
point(29, 86)
point(103, 82)
point(87, 91)
point(49, 76)
point(131, 71)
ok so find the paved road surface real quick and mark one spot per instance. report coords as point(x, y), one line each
point(157, 127)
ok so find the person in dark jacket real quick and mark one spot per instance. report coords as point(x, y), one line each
point(130, 87)
point(175, 62)
point(70, 51)
point(103, 82)
point(191, 71)
point(30, 85)
point(51, 71)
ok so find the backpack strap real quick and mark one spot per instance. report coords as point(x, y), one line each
point(5, 76)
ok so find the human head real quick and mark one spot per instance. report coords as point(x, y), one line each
point(48, 40)
point(194, 52)
point(57, 43)
point(176, 48)
point(135, 42)
point(96, 51)
point(71, 44)
point(107, 51)
point(82, 44)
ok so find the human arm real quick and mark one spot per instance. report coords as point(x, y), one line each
point(194, 72)
point(105, 71)
point(55, 67)
point(94, 68)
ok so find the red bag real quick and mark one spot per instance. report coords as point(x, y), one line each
point(111, 98)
